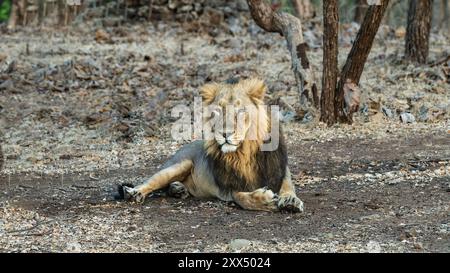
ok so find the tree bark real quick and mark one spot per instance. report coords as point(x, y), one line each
point(1, 157)
point(354, 66)
point(17, 13)
point(330, 60)
point(360, 11)
point(444, 15)
point(303, 9)
point(291, 28)
point(418, 30)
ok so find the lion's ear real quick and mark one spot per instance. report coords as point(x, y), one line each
point(256, 88)
point(209, 92)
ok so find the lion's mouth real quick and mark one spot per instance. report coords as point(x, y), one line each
point(228, 148)
point(226, 145)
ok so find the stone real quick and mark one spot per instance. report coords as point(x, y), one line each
point(407, 118)
point(373, 247)
point(387, 112)
point(238, 244)
point(73, 247)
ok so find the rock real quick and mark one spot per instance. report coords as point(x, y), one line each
point(393, 181)
point(387, 112)
point(7, 85)
point(73, 247)
point(173, 4)
point(238, 244)
point(400, 32)
point(423, 114)
point(102, 36)
point(253, 29)
point(3, 57)
point(185, 8)
point(373, 247)
point(234, 25)
point(390, 174)
point(288, 116)
point(418, 246)
point(241, 5)
point(407, 118)
point(308, 117)
point(233, 43)
point(213, 17)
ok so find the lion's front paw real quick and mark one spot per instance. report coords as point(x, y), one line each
point(290, 203)
point(132, 194)
point(267, 198)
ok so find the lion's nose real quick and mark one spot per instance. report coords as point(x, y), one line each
point(227, 135)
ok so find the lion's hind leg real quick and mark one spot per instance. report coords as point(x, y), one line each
point(162, 179)
point(261, 199)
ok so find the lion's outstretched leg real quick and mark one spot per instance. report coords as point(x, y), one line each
point(288, 200)
point(260, 199)
point(176, 172)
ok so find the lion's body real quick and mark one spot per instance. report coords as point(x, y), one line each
point(232, 167)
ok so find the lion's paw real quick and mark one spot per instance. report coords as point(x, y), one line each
point(178, 190)
point(290, 203)
point(267, 198)
point(132, 194)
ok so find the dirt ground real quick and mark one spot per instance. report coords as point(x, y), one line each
point(384, 200)
point(82, 110)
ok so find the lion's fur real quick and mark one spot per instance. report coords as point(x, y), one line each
point(248, 168)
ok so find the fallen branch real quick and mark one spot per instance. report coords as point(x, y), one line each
point(290, 27)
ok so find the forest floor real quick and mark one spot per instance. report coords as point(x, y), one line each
point(85, 109)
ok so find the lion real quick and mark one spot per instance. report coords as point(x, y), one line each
point(230, 166)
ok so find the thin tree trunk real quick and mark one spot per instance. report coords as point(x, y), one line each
point(418, 30)
point(330, 60)
point(291, 28)
point(360, 11)
point(354, 66)
point(1, 157)
point(17, 13)
point(444, 16)
point(303, 9)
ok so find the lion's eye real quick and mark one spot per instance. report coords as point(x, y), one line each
point(214, 114)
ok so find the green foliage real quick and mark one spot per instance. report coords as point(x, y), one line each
point(5, 8)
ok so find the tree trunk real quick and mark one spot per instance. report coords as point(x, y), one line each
point(360, 11)
point(345, 99)
point(330, 60)
point(303, 9)
point(291, 28)
point(17, 13)
point(444, 21)
point(418, 30)
point(1, 157)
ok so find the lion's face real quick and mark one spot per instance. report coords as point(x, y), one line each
point(239, 110)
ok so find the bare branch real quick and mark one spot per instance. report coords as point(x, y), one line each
point(290, 27)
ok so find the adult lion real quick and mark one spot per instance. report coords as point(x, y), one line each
point(231, 166)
